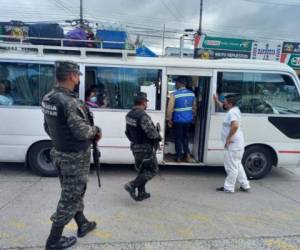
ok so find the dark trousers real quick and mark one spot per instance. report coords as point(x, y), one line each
point(146, 165)
point(181, 139)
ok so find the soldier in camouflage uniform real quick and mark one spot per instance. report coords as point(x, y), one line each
point(67, 124)
point(143, 136)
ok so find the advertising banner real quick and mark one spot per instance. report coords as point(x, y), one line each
point(222, 43)
point(291, 47)
point(270, 51)
point(293, 60)
point(219, 54)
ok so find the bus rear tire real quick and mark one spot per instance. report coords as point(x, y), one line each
point(257, 162)
point(39, 159)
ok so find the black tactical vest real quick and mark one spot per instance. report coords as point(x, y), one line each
point(54, 109)
point(134, 131)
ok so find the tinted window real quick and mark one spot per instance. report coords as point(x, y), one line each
point(260, 92)
point(114, 87)
point(24, 84)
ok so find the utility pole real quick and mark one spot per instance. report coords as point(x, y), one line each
point(81, 13)
point(199, 32)
point(200, 18)
point(163, 41)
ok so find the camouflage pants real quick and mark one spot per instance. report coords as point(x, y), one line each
point(73, 170)
point(146, 164)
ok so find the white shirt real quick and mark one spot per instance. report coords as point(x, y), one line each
point(234, 114)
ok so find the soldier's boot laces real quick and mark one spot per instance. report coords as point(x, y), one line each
point(57, 241)
point(84, 226)
point(142, 194)
point(130, 188)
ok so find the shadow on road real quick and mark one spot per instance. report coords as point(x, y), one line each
point(18, 169)
point(281, 174)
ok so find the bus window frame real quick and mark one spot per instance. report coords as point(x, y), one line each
point(296, 81)
point(50, 62)
point(163, 85)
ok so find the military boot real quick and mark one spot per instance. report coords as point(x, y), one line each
point(142, 194)
point(130, 188)
point(84, 226)
point(57, 241)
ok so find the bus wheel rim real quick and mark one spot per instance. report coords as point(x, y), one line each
point(256, 163)
point(44, 160)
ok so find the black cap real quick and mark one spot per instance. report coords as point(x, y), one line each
point(67, 66)
point(182, 79)
point(140, 96)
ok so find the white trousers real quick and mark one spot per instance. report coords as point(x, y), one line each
point(234, 169)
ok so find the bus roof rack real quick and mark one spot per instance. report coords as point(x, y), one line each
point(22, 44)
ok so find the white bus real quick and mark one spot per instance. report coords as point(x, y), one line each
point(267, 92)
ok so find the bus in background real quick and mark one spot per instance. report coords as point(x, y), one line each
point(267, 93)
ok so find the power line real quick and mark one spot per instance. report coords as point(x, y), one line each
point(157, 21)
point(178, 11)
point(61, 5)
point(273, 3)
point(170, 11)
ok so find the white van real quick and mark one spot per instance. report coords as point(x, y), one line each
point(268, 96)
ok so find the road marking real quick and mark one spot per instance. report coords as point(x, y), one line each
point(17, 224)
point(185, 232)
point(249, 218)
point(280, 244)
point(4, 235)
point(71, 226)
point(119, 217)
point(198, 217)
point(102, 234)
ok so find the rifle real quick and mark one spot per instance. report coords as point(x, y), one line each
point(96, 156)
point(96, 152)
point(156, 142)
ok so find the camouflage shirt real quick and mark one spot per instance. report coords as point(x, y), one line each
point(67, 120)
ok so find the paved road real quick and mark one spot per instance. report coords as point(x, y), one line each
point(184, 212)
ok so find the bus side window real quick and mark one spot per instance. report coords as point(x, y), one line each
point(261, 93)
point(24, 83)
point(116, 86)
point(5, 97)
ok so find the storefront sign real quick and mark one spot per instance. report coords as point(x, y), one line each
point(292, 48)
point(270, 51)
point(221, 43)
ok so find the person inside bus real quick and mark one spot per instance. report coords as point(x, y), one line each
point(91, 98)
point(5, 98)
point(233, 141)
point(180, 114)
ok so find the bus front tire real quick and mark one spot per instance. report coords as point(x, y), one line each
point(257, 162)
point(39, 159)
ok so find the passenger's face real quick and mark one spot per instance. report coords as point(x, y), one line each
point(227, 105)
